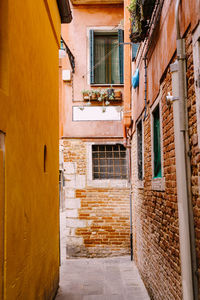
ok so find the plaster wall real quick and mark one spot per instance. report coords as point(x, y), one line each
point(76, 35)
point(162, 50)
point(29, 40)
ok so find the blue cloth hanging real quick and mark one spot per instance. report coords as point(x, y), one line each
point(135, 79)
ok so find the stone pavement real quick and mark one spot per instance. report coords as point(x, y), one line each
point(100, 279)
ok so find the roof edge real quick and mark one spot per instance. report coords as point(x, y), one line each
point(65, 11)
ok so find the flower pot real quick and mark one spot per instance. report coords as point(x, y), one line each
point(86, 96)
point(110, 92)
point(118, 95)
point(94, 96)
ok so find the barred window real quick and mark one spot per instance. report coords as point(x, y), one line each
point(109, 162)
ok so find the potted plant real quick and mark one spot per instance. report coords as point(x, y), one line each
point(94, 95)
point(118, 95)
point(111, 96)
point(148, 7)
point(139, 24)
point(101, 95)
point(110, 92)
point(86, 95)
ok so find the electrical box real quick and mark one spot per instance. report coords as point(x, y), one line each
point(66, 75)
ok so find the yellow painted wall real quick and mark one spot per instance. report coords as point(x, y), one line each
point(29, 41)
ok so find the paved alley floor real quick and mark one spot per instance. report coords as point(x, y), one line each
point(100, 279)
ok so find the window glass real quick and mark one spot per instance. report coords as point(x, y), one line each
point(156, 143)
point(139, 150)
point(109, 162)
point(106, 59)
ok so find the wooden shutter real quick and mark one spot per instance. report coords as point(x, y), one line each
point(121, 55)
point(91, 56)
point(134, 50)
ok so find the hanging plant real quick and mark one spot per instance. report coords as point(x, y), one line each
point(138, 23)
point(148, 7)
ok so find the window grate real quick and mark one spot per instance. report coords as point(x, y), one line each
point(109, 162)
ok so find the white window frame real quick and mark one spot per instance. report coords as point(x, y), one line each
point(196, 60)
point(108, 183)
point(158, 184)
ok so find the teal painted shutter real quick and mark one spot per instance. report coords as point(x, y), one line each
point(156, 143)
point(91, 56)
point(134, 50)
point(121, 55)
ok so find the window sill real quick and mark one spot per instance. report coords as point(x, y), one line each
point(108, 183)
point(107, 85)
point(158, 184)
point(140, 184)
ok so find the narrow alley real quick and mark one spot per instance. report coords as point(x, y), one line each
point(101, 279)
point(100, 150)
point(112, 278)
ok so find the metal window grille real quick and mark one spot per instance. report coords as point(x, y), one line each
point(139, 150)
point(109, 162)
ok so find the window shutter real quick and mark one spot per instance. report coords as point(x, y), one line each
point(134, 50)
point(91, 56)
point(121, 55)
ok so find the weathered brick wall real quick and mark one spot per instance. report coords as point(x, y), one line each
point(155, 213)
point(97, 218)
point(194, 145)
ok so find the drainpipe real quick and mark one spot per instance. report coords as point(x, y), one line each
point(128, 146)
point(183, 175)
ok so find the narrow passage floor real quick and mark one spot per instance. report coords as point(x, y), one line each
point(100, 279)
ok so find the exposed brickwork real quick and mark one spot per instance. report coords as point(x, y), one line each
point(194, 148)
point(156, 230)
point(97, 217)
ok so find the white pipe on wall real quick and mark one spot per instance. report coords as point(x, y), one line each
point(178, 70)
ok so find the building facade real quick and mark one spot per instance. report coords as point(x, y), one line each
point(164, 126)
point(96, 201)
point(29, 131)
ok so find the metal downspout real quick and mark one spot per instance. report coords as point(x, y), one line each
point(185, 211)
point(130, 195)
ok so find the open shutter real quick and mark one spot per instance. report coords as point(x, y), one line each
point(91, 56)
point(134, 50)
point(121, 55)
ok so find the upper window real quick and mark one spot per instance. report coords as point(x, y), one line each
point(106, 57)
point(109, 162)
point(156, 143)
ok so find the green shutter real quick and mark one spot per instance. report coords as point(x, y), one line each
point(121, 55)
point(91, 56)
point(156, 143)
point(134, 50)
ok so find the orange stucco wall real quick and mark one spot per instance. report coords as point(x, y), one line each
point(76, 36)
point(30, 32)
point(165, 47)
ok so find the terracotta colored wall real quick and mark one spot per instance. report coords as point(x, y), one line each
point(29, 118)
point(75, 35)
point(162, 49)
point(156, 229)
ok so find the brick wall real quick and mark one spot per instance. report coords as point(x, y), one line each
point(155, 213)
point(97, 216)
